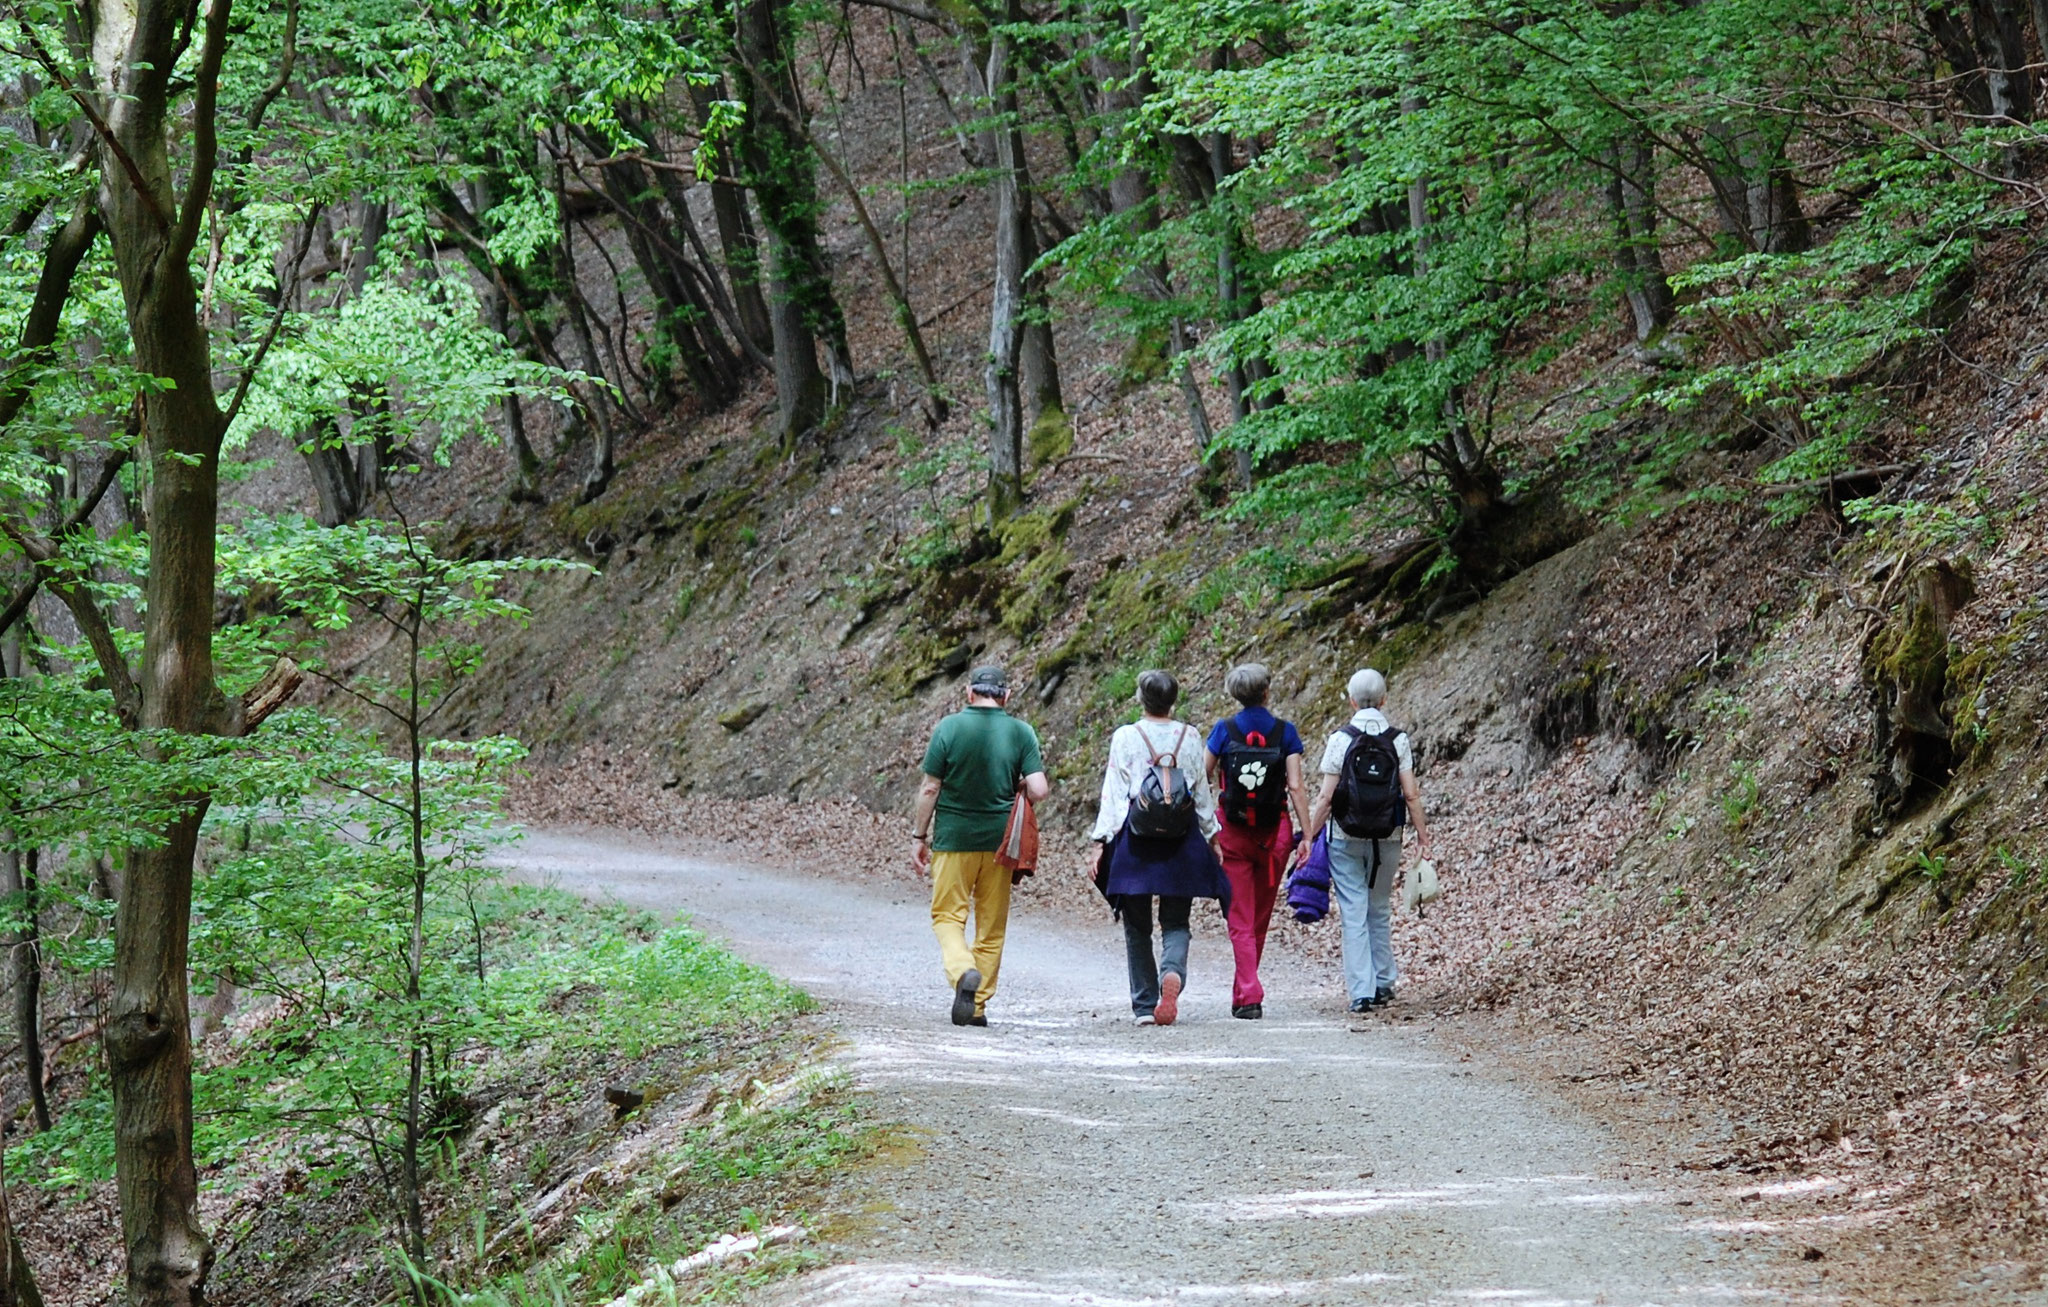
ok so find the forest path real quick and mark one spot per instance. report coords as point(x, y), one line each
point(1069, 1156)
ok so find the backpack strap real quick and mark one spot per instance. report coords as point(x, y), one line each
point(1151, 750)
point(1234, 731)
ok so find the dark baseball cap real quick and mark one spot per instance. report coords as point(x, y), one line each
point(989, 680)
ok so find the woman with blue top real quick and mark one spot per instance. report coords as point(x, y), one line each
point(1255, 763)
point(1157, 825)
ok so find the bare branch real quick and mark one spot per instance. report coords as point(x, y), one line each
point(269, 94)
point(276, 320)
point(92, 623)
point(18, 605)
point(205, 131)
point(66, 251)
point(915, 11)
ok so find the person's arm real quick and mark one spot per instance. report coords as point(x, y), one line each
point(1036, 787)
point(1209, 769)
point(1205, 800)
point(1317, 815)
point(921, 823)
point(1412, 792)
point(1116, 791)
point(1297, 793)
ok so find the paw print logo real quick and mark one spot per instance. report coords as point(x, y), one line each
point(1252, 775)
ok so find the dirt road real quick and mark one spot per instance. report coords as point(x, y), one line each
point(1072, 1157)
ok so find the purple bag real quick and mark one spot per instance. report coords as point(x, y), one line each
point(1308, 891)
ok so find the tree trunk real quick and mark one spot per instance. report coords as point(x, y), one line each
point(1012, 256)
point(1475, 484)
point(1638, 259)
point(936, 407)
point(17, 1277)
point(780, 171)
point(525, 488)
point(736, 240)
point(1038, 363)
point(1236, 300)
point(19, 881)
point(1753, 189)
point(1952, 34)
point(595, 400)
point(686, 319)
point(338, 494)
point(343, 484)
point(148, 1033)
point(1906, 666)
point(2002, 53)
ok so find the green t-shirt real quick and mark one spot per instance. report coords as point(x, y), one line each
point(979, 754)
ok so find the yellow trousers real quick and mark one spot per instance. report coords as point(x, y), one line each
point(961, 880)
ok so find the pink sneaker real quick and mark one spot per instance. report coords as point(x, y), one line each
point(1169, 999)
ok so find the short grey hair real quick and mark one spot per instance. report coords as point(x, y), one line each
point(1367, 688)
point(1158, 692)
point(1249, 683)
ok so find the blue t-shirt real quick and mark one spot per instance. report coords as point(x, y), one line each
point(1256, 721)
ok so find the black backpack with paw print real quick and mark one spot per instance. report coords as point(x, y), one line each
point(1254, 771)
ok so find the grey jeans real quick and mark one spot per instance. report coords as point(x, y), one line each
point(1173, 945)
point(1367, 908)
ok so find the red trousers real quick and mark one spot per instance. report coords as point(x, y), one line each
point(1256, 862)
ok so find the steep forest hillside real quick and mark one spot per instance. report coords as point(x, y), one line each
point(644, 417)
point(1676, 703)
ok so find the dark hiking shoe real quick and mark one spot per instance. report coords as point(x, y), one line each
point(1249, 1011)
point(1361, 1005)
point(963, 996)
point(1169, 999)
point(1383, 996)
point(977, 1021)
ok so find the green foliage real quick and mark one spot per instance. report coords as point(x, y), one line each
point(1739, 800)
point(1931, 526)
point(559, 974)
point(402, 363)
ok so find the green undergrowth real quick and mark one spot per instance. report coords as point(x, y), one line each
point(564, 977)
point(577, 997)
point(743, 1171)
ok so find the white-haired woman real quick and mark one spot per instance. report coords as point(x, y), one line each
point(1175, 869)
point(1362, 869)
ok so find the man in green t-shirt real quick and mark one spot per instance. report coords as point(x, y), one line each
point(979, 758)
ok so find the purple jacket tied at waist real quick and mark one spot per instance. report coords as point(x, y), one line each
point(1186, 870)
point(1308, 894)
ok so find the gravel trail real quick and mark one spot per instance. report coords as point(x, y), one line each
point(1069, 1156)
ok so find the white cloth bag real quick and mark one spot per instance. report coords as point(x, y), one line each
point(1419, 886)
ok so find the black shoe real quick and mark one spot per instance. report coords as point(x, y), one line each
point(977, 1021)
point(1249, 1012)
point(1383, 996)
point(963, 996)
point(1361, 1005)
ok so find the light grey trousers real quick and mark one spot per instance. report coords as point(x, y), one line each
point(1362, 876)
